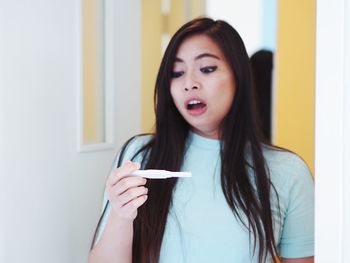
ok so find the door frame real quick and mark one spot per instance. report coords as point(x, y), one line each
point(332, 129)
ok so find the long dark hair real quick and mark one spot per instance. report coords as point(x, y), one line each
point(245, 193)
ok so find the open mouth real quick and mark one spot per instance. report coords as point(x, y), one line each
point(195, 105)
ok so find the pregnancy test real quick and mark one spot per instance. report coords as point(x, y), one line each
point(160, 174)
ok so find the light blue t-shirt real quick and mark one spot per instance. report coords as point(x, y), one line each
point(201, 226)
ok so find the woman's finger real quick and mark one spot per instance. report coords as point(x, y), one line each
point(127, 168)
point(134, 204)
point(132, 194)
point(127, 183)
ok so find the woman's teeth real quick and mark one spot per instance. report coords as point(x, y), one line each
point(195, 104)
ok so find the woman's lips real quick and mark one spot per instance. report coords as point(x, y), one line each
point(195, 106)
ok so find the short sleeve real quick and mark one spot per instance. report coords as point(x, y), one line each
point(297, 238)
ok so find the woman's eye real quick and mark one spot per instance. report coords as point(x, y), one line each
point(176, 74)
point(207, 70)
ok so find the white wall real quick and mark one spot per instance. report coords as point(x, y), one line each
point(346, 133)
point(51, 194)
point(332, 155)
point(245, 16)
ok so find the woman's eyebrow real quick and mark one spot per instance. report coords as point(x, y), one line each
point(203, 55)
point(206, 55)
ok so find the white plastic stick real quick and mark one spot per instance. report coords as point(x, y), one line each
point(160, 174)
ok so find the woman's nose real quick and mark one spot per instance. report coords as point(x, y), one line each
point(192, 83)
point(193, 87)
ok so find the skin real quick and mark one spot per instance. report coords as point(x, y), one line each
point(298, 260)
point(201, 72)
point(126, 194)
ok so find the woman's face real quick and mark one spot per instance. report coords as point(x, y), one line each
point(202, 85)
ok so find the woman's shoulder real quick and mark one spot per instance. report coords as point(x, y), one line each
point(137, 142)
point(285, 166)
point(132, 149)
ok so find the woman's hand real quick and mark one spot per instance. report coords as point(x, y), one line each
point(126, 193)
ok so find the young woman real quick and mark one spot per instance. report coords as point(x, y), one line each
point(246, 201)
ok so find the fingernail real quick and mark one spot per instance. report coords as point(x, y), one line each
point(137, 165)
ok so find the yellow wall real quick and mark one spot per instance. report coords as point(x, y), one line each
point(93, 126)
point(151, 55)
point(295, 81)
